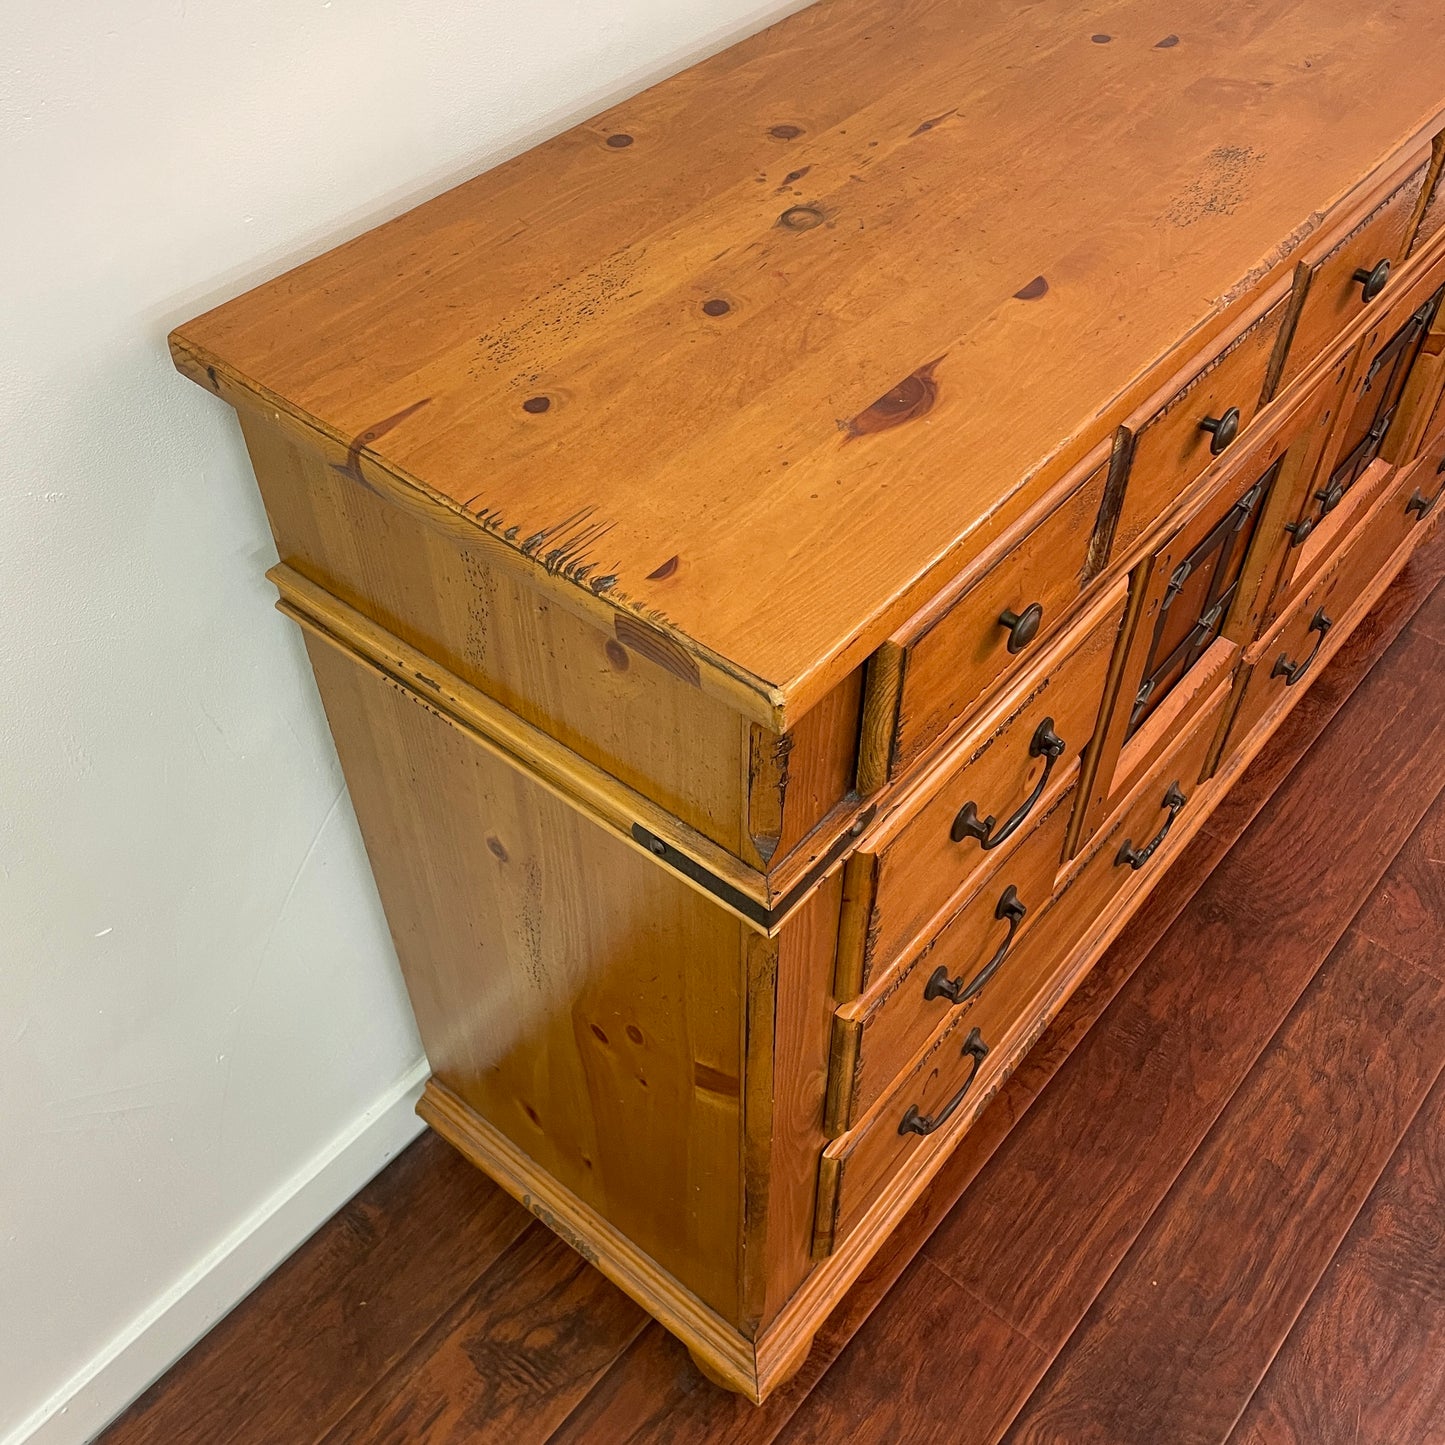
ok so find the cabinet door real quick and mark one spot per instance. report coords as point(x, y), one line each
point(1373, 408)
point(1382, 420)
point(1197, 600)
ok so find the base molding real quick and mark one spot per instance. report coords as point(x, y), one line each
point(722, 1352)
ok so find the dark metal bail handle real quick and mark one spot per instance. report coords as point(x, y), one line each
point(1422, 505)
point(1045, 743)
point(1136, 858)
point(1374, 279)
point(1320, 624)
point(915, 1123)
point(1023, 626)
point(1011, 908)
point(1224, 428)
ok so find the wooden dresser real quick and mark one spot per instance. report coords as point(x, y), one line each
point(790, 562)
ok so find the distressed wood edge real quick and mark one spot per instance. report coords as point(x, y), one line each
point(1427, 191)
point(1111, 504)
point(754, 697)
point(825, 1234)
point(878, 731)
point(1299, 294)
point(1259, 311)
point(760, 984)
point(599, 796)
point(727, 1354)
point(765, 790)
point(844, 1054)
point(860, 880)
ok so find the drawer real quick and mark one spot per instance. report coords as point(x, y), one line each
point(941, 1094)
point(1294, 647)
point(1196, 604)
point(1199, 416)
point(971, 967)
point(1384, 412)
point(1327, 537)
point(966, 813)
point(991, 625)
point(1350, 271)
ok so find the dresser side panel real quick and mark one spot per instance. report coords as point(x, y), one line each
point(579, 998)
point(616, 696)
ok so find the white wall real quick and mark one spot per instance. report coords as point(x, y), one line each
point(204, 1043)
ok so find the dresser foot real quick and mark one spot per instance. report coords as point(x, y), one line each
point(771, 1376)
point(789, 1364)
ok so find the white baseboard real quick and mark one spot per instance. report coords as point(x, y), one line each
point(161, 1334)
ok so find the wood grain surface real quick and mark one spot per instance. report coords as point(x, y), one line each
point(726, 342)
point(1362, 1363)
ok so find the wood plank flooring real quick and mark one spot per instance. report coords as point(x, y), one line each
point(1209, 1207)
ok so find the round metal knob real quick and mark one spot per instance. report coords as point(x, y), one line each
point(1372, 282)
point(1330, 497)
point(1225, 428)
point(1023, 626)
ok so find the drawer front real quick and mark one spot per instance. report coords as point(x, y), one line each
point(936, 1100)
point(1292, 650)
point(1427, 476)
point(965, 644)
point(1174, 443)
point(1383, 416)
point(988, 788)
point(1328, 537)
point(976, 965)
point(1353, 272)
point(1197, 604)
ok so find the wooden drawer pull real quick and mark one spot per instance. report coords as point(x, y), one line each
point(1046, 743)
point(1320, 624)
point(1010, 907)
point(1136, 858)
point(1023, 626)
point(915, 1123)
point(1373, 281)
point(1224, 429)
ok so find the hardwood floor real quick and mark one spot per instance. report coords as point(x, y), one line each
point(1209, 1207)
